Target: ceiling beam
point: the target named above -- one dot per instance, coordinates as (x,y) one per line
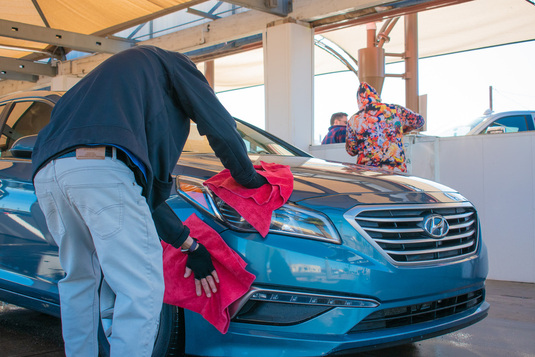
(19,76)
(8,65)
(40,12)
(275,7)
(378,14)
(249,23)
(73,40)
(206,15)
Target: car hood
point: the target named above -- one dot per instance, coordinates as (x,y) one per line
(315,178)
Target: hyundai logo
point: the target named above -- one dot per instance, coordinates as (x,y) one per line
(436,226)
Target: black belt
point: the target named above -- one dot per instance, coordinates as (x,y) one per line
(120,155)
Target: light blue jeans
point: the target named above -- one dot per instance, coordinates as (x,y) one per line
(103,227)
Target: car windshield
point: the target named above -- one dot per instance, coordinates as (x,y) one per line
(462,129)
(255,142)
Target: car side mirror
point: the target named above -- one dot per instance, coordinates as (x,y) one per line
(495,130)
(23,147)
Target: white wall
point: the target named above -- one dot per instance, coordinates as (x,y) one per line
(497,174)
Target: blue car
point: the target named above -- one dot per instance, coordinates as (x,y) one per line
(358,259)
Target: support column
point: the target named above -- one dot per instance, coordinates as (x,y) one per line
(289,81)
(411,62)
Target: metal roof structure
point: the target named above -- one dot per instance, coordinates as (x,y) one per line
(35,33)
(443,30)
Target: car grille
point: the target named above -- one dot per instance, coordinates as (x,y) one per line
(413,314)
(400,234)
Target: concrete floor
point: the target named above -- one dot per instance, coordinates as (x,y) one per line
(509,330)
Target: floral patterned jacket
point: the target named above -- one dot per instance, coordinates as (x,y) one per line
(375,132)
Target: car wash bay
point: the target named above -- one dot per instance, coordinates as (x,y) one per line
(507,331)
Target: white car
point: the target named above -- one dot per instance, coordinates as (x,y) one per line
(495,123)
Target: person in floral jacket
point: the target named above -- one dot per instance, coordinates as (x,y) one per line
(375,132)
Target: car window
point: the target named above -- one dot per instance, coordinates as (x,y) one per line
(510,124)
(255,142)
(25,118)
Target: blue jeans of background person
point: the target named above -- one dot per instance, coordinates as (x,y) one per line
(103,227)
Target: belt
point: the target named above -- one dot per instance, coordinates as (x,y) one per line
(96,153)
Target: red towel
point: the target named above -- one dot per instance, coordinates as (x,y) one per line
(234,280)
(255,205)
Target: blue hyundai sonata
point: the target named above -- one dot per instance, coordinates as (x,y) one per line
(357,259)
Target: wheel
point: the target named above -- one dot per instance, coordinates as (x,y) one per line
(170,340)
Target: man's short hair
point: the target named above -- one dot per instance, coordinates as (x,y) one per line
(338,115)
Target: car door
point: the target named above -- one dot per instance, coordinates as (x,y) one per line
(510,124)
(29,261)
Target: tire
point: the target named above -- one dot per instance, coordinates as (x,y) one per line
(170,340)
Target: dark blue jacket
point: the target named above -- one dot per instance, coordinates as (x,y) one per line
(142,99)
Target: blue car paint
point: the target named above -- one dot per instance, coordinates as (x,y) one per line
(358,274)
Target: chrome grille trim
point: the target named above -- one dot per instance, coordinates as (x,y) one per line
(436,250)
(397,231)
(461,225)
(393,220)
(413,241)
(456,216)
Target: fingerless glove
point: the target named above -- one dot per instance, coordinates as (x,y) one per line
(200,262)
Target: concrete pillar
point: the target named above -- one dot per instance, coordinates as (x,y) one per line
(289,81)
(63,82)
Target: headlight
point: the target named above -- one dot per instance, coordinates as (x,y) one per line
(288,220)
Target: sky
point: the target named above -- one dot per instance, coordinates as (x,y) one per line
(456,85)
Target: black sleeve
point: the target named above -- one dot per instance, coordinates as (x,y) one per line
(169,227)
(257,181)
(200,103)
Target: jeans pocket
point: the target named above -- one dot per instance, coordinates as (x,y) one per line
(101,207)
(48,205)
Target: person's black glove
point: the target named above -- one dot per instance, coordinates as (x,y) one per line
(200,262)
(257,181)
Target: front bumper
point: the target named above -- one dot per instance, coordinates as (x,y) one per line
(321,336)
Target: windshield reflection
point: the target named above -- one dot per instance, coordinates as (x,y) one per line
(255,142)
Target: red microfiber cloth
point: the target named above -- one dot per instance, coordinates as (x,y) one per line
(255,205)
(234,280)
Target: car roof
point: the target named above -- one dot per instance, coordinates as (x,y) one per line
(51,95)
(511,112)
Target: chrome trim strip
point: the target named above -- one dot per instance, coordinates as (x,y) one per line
(430,240)
(457,216)
(393,219)
(461,225)
(427,251)
(411,230)
(395,230)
